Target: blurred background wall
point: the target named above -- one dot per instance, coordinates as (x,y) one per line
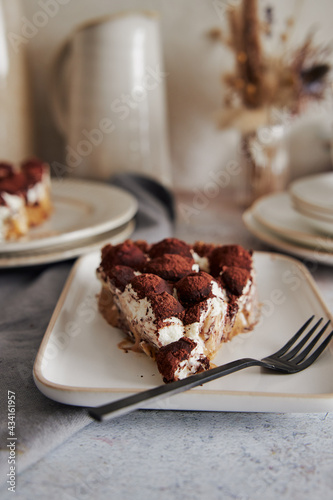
(194,91)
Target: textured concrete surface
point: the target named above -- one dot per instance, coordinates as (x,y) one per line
(188,456)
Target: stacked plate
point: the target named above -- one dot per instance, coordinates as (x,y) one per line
(86,216)
(313,198)
(299,221)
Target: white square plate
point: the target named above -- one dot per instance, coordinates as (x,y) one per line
(79,361)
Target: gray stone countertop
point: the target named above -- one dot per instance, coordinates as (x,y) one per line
(192,455)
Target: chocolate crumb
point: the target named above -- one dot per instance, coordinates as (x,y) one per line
(6,170)
(203,249)
(169,356)
(231,256)
(165,306)
(125,254)
(193,313)
(170,246)
(234,279)
(170,267)
(120,276)
(146,285)
(194,288)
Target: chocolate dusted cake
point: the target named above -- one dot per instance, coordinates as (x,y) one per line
(25,199)
(177,302)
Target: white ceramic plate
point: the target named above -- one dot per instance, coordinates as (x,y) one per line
(79,361)
(274,240)
(81,209)
(302,208)
(78,247)
(319,223)
(277,214)
(315,192)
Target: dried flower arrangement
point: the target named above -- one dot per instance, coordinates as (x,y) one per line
(260,81)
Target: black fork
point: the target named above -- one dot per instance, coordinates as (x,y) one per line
(293,357)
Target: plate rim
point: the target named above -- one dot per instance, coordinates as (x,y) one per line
(49,255)
(41,381)
(274,240)
(297,182)
(92,230)
(310,239)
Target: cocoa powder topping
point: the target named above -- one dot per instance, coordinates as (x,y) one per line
(170,267)
(125,254)
(6,170)
(165,306)
(170,246)
(234,279)
(143,245)
(231,256)
(193,313)
(147,285)
(194,288)
(169,356)
(203,249)
(120,276)
(16,184)
(34,170)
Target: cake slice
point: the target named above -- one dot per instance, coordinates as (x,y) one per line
(38,191)
(176,302)
(25,199)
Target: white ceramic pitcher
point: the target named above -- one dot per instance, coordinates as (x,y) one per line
(108,88)
(16,123)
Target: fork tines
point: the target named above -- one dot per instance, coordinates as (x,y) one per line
(297,354)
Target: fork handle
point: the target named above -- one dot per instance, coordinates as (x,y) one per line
(134,402)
